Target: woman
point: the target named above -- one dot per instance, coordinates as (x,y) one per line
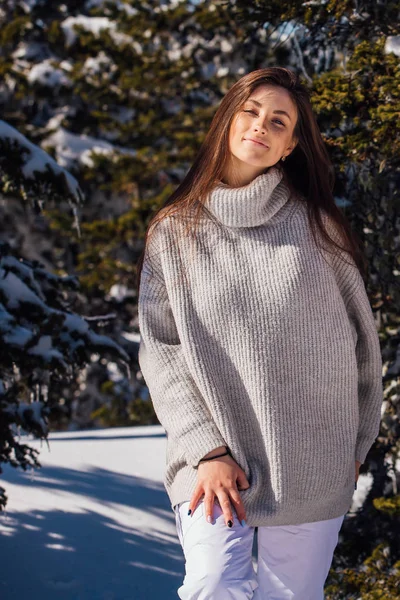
(259,348)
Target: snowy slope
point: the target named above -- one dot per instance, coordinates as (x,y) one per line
(95,522)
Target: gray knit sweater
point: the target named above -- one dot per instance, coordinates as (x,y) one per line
(253,338)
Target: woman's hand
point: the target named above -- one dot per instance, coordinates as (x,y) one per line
(223,478)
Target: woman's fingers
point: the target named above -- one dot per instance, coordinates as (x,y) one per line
(241,481)
(227,500)
(197,494)
(238,505)
(226,507)
(208,501)
(221,478)
(208,506)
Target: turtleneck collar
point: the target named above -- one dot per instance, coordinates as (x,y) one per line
(250,205)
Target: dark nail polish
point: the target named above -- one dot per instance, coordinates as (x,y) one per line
(189,512)
(230,523)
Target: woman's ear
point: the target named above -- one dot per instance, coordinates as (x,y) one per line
(292,146)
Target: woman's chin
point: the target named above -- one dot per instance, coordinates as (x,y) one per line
(254,164)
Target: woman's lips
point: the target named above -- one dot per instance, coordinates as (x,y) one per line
(255,142)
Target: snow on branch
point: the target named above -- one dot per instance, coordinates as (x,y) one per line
(35,328)
(28,172)
(42,346)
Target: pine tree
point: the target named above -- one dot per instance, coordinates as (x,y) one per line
(121,94)
(43,343)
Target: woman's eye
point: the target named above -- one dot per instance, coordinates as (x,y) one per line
(275,120)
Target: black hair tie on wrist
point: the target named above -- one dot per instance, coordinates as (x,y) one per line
(227,453)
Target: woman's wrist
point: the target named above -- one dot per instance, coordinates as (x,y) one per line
(216,451)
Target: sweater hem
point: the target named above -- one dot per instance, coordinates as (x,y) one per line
(258,516)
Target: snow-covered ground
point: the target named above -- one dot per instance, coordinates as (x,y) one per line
(95,522)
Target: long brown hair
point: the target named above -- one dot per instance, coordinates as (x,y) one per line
(307,170)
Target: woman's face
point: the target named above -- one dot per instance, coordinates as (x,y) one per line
(268,117)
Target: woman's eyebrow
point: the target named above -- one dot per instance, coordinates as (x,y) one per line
(277,112)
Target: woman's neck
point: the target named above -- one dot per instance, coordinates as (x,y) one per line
(238,174)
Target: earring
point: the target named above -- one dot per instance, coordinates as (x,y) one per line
(283,158)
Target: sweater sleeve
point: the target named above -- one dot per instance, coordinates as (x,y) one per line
(177,401)
(369,361)
(368,353)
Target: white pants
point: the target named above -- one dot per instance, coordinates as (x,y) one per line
(293,560)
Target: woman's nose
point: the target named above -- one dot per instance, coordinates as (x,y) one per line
(260,126)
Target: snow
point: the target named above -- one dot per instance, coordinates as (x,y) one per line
(44,348)
(72,148)
(35,410)
(28,5)
(46,73)
(120,292)
(364,484)
(392,44)
(226,46)
(94,523)
(97,64)
(21,293)
(222,71)
(121,38)
(131,336)
(171,5)
(394,368)
(122,6)
(76,323)
(17,292)
(11,332)
(30,51)
(38,160)
(55,121)
(114,372)
(10,263)
(67,65)
(18,337)
(123,114)
(342,202)
(93,24)
(174,54)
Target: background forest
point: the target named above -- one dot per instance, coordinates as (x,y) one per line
(104,105)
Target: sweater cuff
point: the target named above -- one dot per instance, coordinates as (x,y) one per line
(201,443)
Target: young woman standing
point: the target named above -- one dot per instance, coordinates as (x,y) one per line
(259,348)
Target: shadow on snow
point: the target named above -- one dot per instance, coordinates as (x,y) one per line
(81,556)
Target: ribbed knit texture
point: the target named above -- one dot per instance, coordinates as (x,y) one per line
(250,339)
